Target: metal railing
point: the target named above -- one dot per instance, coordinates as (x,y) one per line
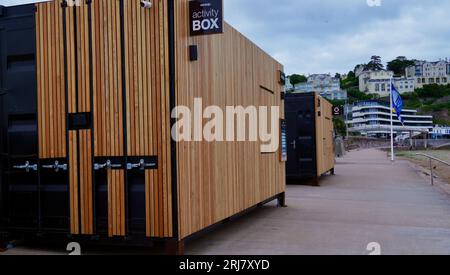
(431,158)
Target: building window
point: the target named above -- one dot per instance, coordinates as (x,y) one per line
(444,80)
(383,87)
(423,81)
(419,80)
(438,80)
(431,80)
(377,87)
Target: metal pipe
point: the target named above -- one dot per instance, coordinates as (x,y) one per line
(431,171)
(431,158)
(392,122)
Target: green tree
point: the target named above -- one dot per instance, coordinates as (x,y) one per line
(399,65)
(350,82)
(296,79)
(375,63)
(339,126)
(337,103)
(351,74)
(354,95)
(433,91)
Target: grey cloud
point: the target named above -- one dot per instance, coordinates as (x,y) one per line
(311,36)
(319,36)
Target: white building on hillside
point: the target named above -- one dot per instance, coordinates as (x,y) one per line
(324,84)
(426,73)
(372,118)
(377,82)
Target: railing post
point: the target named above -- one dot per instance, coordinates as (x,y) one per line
(431,172)
(431,164)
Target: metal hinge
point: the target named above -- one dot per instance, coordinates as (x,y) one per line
(27,167)
(108,166)
(56,166)
(141,165)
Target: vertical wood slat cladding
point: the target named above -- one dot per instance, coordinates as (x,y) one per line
(79,101)
(86,187)
(50,81)
(217,180)
(73,183)
(107,80)
(147,101)
(71,62)
(324,135)
(82,48)
(116,203)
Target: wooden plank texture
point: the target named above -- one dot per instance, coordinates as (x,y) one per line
(148,109)
(107,74)
(219,179)
(116,203)
(50,81)
(73,183)
(324,135)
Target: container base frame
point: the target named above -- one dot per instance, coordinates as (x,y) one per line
(4,242)
(310,180)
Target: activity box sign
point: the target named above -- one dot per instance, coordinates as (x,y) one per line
(205,17)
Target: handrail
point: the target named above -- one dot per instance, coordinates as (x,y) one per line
(431,158)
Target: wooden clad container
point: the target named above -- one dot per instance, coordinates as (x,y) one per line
(108,76)
(310,137)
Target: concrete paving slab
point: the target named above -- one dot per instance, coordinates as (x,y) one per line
(369,200)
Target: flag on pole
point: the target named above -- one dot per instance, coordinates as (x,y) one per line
(397,103)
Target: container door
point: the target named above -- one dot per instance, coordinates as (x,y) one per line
(2,138)
(20,179)
(105,114)
(300,115)
(51,110)
(35,198)
(147,119)
(293,164)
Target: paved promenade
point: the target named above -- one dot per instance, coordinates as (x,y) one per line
(369,200)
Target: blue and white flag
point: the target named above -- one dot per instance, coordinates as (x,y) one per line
(397,103)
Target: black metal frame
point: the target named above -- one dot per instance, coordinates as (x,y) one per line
(124,111)
(37,144)
(91,94)
(66,87)
(27,112)
(173,103)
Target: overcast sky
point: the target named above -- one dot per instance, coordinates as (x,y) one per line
(328,36)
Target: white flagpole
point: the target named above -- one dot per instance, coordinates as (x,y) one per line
(392,123)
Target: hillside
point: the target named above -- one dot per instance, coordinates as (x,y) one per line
(431,100)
